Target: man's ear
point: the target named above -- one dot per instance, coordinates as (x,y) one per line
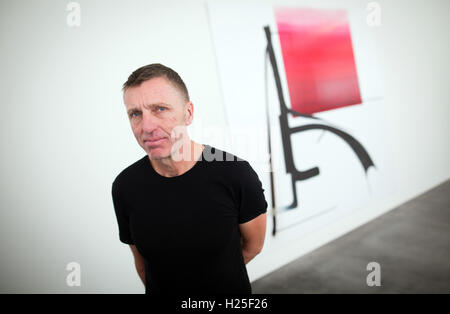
(189,113)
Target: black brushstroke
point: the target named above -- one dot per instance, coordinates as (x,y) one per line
(286,132)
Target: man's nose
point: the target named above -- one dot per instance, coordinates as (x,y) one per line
(149,122)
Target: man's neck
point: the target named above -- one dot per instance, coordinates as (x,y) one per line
(168,167)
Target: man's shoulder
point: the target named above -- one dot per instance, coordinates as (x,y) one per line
(130,171)
(225,161)
(214,154)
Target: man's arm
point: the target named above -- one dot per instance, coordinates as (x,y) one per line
(139,262)
(253,233)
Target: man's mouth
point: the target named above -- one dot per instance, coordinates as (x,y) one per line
(154,141)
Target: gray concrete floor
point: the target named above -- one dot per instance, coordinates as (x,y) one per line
(411,243)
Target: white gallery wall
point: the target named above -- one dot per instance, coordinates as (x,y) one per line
(65,135)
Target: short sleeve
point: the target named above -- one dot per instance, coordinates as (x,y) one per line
(121,215)
(252,202)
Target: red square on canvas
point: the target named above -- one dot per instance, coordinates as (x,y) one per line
(318,59)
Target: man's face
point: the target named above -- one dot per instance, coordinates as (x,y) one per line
(154,109)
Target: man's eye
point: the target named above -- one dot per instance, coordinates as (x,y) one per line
(133,114)
(164,108)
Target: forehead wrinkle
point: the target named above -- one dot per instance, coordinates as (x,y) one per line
(147,106)
(165,93)
(155,104)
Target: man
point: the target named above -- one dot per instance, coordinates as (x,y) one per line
(192,214)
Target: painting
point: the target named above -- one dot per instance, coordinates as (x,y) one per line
(305,86)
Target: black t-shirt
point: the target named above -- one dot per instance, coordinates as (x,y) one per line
(187,227)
